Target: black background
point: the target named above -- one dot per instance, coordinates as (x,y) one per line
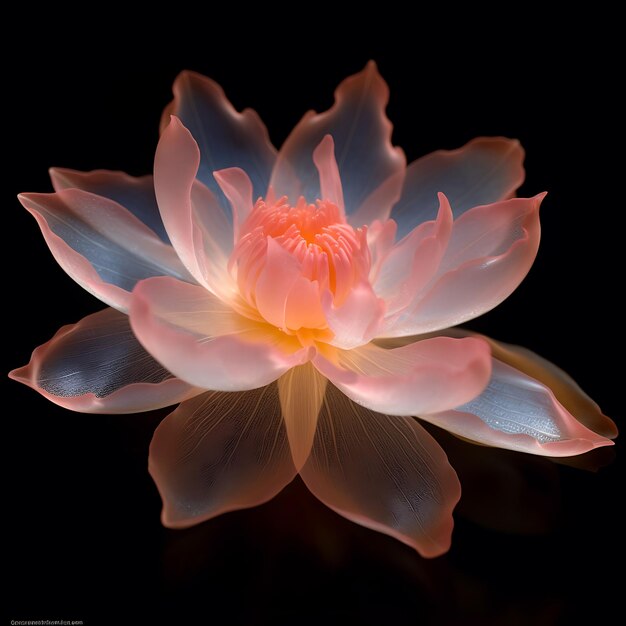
(534,540)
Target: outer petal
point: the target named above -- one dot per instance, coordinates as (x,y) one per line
(485,170)
(134,193)
(491,249)
(97,366)
(385,473)
(571,397)
(566,391)
(199,228)
(301,392)
(220,452)
(419,378)
(100,244)
(362,136)
(204,342)
(226,138)
(518,412)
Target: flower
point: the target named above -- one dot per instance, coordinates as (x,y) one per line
(300,304)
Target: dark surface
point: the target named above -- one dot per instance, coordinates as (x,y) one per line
(534,540)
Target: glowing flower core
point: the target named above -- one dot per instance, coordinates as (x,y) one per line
(315,251)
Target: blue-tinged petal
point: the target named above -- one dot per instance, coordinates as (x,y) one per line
(485,170)
(365,156)
(100,244)
(134,193)
(518,412)
(97,366)
(226,138)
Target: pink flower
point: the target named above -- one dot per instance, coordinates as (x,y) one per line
(312,291)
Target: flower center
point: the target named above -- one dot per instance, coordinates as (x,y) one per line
(318,253)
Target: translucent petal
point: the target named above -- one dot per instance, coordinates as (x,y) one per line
(330,181)
(219,452)
(205,342)
(362,136)
(410,265)
(237,188)
(301,392)
(518,412)
(490,251)
(357,320)
(134,193)
(283,296)
(422,377)
(385,473)
(564,388)
(97,366)
(100,244)
(485,170)
(196,223)
(566,391)
(226,138)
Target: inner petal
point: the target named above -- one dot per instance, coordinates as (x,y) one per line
(289,256)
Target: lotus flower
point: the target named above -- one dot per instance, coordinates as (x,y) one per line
(298,304)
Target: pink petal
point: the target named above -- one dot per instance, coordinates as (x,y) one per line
(196,223)
(330,182)
(226,138)
(303,309)
(380,241)
(100,244)
(301,392)
(485,170)
(416,379)
(220,452)
(385,473)
(97,366)
(518,412)
(490,251)
(237,188)
(362,136)
(571,397)
(134,193)
(357,320)
(277,279)
(411,263)
(283,296)
(203,341)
